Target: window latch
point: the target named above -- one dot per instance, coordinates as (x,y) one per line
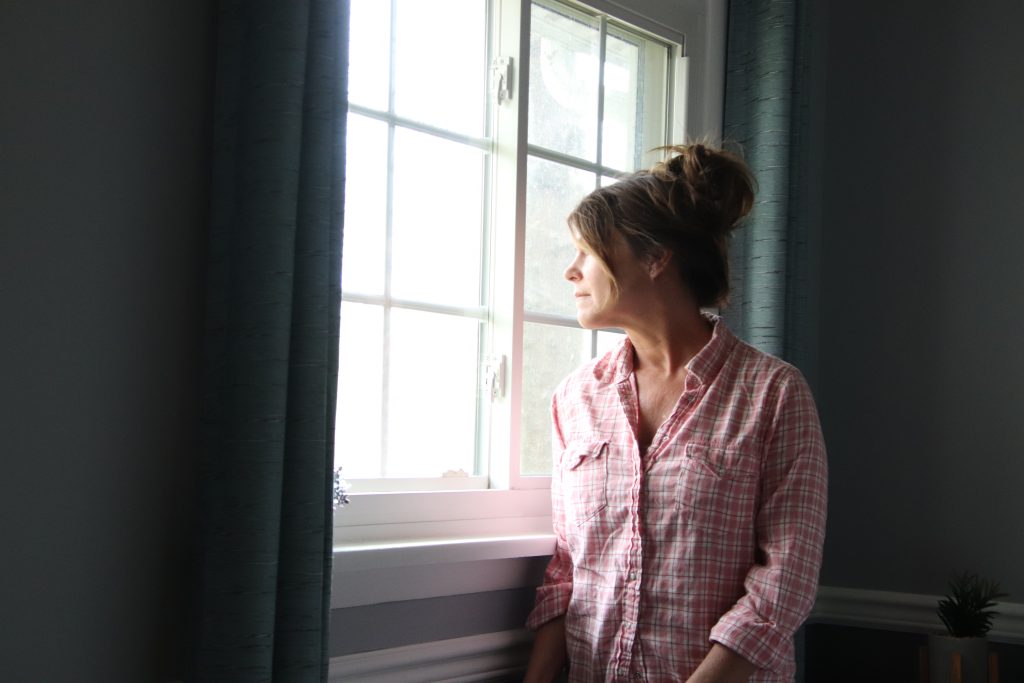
(493,379)
(501,79)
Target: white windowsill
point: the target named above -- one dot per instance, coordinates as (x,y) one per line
(363,556)
(372,574)
(396,547)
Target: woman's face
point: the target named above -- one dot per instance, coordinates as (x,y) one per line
(597,303)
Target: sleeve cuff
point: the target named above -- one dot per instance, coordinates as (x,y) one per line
(552,602)
(761,643)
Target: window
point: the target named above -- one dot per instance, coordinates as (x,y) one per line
(474,127)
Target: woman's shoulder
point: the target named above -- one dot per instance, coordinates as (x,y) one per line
(753,367)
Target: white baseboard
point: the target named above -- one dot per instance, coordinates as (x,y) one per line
(491,657)
(502,656)
(890,611)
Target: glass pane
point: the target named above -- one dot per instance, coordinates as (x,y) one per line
(550,353)
(635,101)
(366,182)
(360,371)
(432,393)
(369,44)
(621,69)
(552,191)
(564,71)
(437,220)
(441,77)
(606,341)
(652,88)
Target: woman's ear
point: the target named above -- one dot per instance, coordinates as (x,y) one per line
(658,262)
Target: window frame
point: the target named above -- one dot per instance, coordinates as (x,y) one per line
(512,518)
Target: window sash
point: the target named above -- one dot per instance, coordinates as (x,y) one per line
(506,206)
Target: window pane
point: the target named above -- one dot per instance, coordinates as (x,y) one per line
(360,373)
(433,394)
(441,75)
(437,220)
(652,89)
(564,71)
(606,341)
(366,178)
(369,45)
(550,353)
(552,191)
(622,65)
(635,99)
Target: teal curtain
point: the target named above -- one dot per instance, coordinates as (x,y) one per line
(263,574)
(766,114)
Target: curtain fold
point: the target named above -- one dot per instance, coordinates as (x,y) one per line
(766,114)
(262,595)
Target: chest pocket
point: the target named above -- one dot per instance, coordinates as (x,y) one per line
(585,481)
(717,488)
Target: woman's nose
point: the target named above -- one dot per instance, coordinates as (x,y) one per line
(572,273)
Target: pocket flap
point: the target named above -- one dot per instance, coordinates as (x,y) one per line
(720,460)
(578,454)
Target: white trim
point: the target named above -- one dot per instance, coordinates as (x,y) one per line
(450,482)
(486,657)
(890,611)
(712,98)
(377,575)
(437,516)
(420,553)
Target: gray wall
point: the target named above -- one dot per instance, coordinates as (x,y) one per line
(921,376)
(104,112)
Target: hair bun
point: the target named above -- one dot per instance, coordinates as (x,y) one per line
(713,186)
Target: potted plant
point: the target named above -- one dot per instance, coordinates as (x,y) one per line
(967,612)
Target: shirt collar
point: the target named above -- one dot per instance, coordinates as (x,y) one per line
(702,367)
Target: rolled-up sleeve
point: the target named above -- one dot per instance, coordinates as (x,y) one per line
(553,595)
(780,588)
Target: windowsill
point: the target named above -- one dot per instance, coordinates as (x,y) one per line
(372,574)
(363,556)
(391,548)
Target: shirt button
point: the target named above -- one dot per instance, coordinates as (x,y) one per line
(632,576)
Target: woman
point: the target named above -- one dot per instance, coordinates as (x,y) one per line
(689,482)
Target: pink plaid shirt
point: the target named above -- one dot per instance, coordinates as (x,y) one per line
(715,534)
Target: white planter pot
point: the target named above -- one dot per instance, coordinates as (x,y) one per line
(973,657)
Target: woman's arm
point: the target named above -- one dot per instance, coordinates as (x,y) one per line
(548,658)
(722,665)
(780,587)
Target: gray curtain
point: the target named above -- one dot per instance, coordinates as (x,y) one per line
(766,113)
(263,574)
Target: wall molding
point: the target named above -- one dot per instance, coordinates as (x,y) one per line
(494,657)
(913,612)
(502,656)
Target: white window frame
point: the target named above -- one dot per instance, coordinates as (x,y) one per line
(395,529)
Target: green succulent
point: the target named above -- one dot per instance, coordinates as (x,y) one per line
(966,609)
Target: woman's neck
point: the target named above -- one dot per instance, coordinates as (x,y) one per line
(664,344)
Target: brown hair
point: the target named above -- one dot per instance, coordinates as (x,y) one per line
(689,204)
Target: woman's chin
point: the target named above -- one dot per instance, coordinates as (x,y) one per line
(589,322)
